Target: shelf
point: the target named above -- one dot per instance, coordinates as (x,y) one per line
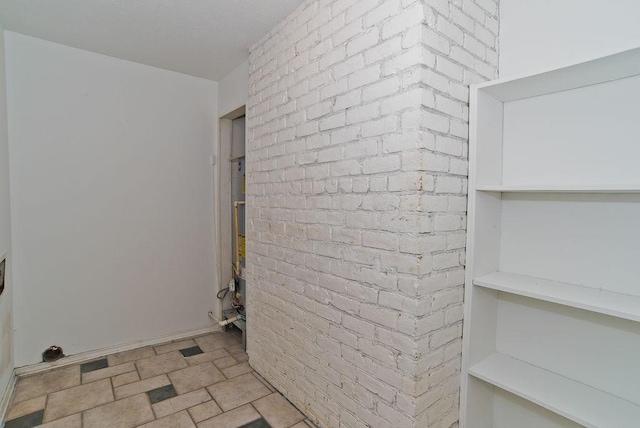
(597,188)
(590,299)
(592,72)
(546,201)
(573,400)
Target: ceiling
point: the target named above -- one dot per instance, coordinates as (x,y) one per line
(204,38)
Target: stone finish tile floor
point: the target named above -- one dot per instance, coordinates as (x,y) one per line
(205,381)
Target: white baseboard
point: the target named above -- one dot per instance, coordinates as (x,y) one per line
(7,396)
(92,355)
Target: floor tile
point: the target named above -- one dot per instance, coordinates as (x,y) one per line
(181,402)
(204,411)
(73,421)
(207,356)
(160,394)
(92,376)
(235,333)
(238,391)
(173,383)
(223,363)
(132,355)
(125,379)
(174,346)
(26,407)
(241,357)
(260,423)
(216,341)
(159,364)
(141,386)
(237,370)
(196,377)
(93,365)
(233,419)
(130,412)
(267,384)
(190,352)
(177,420)
(77,399)
(26,421)
(278,411)
(235,349)
(46,383)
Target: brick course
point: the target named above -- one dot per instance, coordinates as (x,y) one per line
(356,196)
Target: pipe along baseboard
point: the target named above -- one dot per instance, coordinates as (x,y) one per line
(224,322)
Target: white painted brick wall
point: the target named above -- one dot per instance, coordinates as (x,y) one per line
(356,198)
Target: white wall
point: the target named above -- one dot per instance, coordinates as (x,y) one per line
(6,340)
(233,89)
(544,34)
(112,196)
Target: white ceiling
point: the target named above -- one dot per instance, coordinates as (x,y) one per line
(204,38)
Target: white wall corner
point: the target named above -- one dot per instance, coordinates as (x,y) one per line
(233,89)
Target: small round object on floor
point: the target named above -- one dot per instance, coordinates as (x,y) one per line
(52,353)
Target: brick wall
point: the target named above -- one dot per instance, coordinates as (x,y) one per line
(356,194)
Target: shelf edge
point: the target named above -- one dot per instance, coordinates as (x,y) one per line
(559,189)
(486,281)
(497,362)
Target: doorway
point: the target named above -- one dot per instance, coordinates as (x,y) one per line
(231,218)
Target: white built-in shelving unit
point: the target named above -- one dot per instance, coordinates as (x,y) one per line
(552,298)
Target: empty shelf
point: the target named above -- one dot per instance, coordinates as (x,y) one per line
(590,299)
(544,188)
(580,403)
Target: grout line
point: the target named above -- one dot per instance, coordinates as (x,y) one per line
(217,404)
(209,394)
(264,381)
(155,417)
(135,364)
(258,411)
(46,403)
(296,423)
(113,390)
(189,413)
